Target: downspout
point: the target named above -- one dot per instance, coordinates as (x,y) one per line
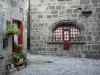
(28,26)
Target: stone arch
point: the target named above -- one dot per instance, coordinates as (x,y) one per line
(70,21)
(75,23)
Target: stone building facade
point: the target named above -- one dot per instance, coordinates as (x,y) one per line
(11,10)
(46,15)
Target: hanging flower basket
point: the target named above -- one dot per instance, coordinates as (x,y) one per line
(12,30)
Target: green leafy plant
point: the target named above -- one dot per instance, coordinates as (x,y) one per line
(11,29)
(17,57)
(71,38)
(54,37)
(15,45)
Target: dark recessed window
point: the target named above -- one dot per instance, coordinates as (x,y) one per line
(62,33)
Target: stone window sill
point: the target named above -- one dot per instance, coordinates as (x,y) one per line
(61,42)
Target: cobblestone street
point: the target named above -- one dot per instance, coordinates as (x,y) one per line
(53,65)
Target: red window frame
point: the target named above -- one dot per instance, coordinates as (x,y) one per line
(72,32)
(20,37)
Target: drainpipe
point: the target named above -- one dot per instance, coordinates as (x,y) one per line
(28,26)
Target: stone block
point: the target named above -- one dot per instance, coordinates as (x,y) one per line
(97,10)
(86,47)
(39,5)
(95,47)
(32,38)
(98,15)
(76,47)
(49,16)
(36,45)
(97,38)
(40,16)
(84,1)
(89,38)
(88,56)
(37,38)
(95,34)
(98,52)
(81,47)
(69,10)
(55,49)
(75,11)
(98,29)
(55,16)
(96,56)
(96,20)
(41,24)
(89,47)
(73,15)
(94,1)
(73,6)
(67,15)
(98,33)
(42,1)
(95,5)
(61,12)
(92,52)
(51,7)
(58,7)
(63,7)
(35,9)
(54,12)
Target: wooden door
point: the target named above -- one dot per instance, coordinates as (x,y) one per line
(66,36)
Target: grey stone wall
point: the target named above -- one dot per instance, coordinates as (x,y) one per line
(11,11)
(45,13)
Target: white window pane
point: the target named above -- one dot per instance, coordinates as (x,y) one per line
(67,32)
(71,35)
(73,29)
(64,27)
(73,32)
(59,31)
(74,35)
(67,35)
(67,38)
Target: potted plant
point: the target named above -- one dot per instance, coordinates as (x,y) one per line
(17,58)
(59,38)
(11,29)
(79,38)
(71,38)
(54,38)
(20,46)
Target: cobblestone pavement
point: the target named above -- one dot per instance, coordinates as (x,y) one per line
(53,65)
